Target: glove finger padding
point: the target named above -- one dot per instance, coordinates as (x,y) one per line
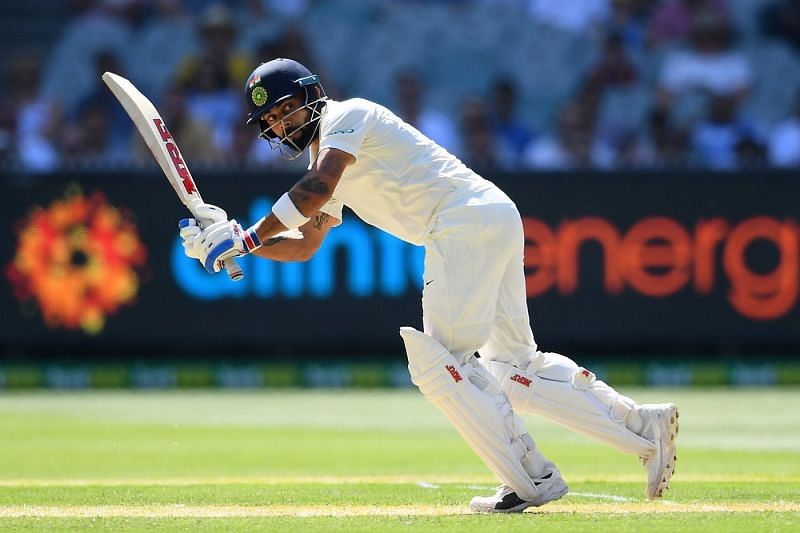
(208,214)
(189,229)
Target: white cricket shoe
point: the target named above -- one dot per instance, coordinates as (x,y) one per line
(661,428)
(551,487)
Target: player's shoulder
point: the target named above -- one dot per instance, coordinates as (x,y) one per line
(351,115)
(352,105)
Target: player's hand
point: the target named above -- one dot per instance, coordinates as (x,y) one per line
(189,228)
(223,240)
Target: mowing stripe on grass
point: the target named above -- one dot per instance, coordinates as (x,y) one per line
(611,497)
(231,511)
(352,480)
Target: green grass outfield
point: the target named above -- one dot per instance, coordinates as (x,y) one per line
(370,461)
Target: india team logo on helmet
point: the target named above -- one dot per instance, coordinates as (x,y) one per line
(259,96)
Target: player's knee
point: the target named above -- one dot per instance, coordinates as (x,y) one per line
(433,369)
(553,366)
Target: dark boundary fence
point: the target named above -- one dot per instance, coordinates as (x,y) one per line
(618,265)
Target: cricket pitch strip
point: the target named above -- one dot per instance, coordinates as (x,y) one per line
(234,511)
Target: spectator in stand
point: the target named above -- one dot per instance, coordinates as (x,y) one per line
(267,50)
(710,65)
(87,141)
(674,21)
(659,146)
(8,132)
(292,43)
(781,19)
(629,20)
(480,148)
(212,100)
(751,153)
(613,71)
(571,145)
(242,147)
(578,16)
(512,134)
(36,119)
(218,37)
(433,124)
(120,126)
(717,139)
(288,9)
(161,45)
(193,135)
(784,141)
(103,25)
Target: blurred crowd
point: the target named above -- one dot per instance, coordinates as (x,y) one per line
(506,85)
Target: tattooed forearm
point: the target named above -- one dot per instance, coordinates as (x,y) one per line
(331,166)
(320,220)
(273,241)
(314,185)
(298,197)
(318,184)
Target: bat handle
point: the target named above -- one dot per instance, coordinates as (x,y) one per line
(233,269)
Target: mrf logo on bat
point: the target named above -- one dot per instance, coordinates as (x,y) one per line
(175,155)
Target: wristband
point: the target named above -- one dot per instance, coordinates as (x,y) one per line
(246,240)
(251,239)
(285,210)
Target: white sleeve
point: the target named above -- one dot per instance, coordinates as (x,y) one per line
(345,127)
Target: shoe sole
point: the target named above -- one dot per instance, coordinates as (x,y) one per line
(669,470)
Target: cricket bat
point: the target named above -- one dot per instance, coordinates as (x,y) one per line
(160,142)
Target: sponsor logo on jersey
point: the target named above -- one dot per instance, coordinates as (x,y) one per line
(341,132)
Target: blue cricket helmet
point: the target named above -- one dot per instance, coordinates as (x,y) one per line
(275,81)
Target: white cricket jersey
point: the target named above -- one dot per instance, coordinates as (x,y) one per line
(400,179)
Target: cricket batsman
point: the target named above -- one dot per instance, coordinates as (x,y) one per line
(394,178)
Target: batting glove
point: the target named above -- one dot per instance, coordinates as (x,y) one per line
(223,240)
(189,230)
(207,214)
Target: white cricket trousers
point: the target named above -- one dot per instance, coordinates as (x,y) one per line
(474,300)
(474,295)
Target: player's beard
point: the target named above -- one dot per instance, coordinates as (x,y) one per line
(307,134)
(293,148)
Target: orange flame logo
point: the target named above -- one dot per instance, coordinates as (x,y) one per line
(77,260)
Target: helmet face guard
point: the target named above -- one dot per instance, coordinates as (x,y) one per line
(290,148)
(271,84)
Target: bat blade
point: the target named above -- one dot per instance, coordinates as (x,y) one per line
(151,127)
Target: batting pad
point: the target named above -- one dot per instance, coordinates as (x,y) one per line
(446,383)
(555,387)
